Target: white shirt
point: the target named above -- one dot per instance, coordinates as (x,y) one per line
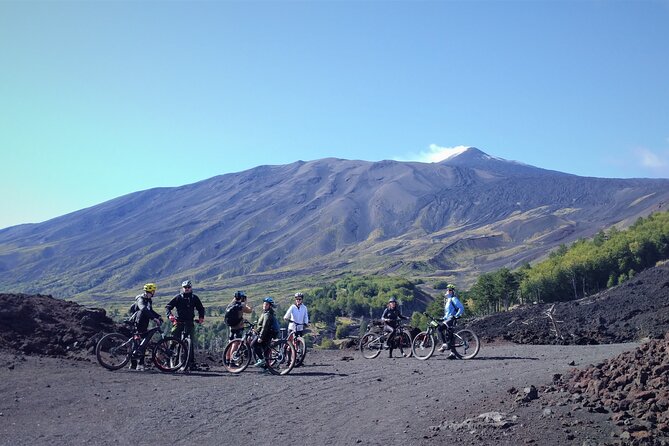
(299,315)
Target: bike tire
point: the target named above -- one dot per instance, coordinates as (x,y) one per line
(404,343)
(113,351)
(300,351)
(237,356)
(280,357)
(423,345)
(466,344)
(370,346)
(170,354)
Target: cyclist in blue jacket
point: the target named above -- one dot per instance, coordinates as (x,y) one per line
(453,309)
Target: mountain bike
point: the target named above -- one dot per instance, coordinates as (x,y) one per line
(465,345)
(113,351)
(189,346)
(280,355)
(298,343)
(372,343)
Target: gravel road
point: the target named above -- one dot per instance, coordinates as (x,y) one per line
(337,398)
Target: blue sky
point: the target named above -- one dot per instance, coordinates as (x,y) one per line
(103,98)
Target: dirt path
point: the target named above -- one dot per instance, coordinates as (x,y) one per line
(331,400)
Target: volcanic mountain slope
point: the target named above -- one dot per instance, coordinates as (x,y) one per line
(469,214)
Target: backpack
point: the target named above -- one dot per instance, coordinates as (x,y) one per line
(133,313)
(233,314)
(275,326)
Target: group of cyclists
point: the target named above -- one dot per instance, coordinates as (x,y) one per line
(453,310)
(186,303)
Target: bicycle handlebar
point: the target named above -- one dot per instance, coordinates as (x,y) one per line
(298,323)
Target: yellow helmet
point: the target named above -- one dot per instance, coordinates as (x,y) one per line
(150,288)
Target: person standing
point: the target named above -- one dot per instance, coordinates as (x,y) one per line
(143,314)
(391,317)
(297,315)
(266,327)
(234,315)
(453,309)
(186,303)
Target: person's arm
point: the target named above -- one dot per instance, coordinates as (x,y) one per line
(460,308)
(384,315)
(306,316)
(169,307)
(247,309)
(289,314)
(264,325)
(200,308)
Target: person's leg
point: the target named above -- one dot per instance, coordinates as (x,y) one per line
(450,325)
(259,350)
(389,332)
(189,330)
(440,329)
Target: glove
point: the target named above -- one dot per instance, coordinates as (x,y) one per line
(172,319)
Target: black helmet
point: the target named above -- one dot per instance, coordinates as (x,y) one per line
(186,284)
(240,295)
(392,299)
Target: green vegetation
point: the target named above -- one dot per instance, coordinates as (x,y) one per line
(357,296)
(586,267)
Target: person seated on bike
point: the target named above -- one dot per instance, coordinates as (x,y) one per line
(143,314)
(266,330)
(297,315)
(185,303)
(453,309)
(236,310)
(390,317)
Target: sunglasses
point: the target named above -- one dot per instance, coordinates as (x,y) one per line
(188,287)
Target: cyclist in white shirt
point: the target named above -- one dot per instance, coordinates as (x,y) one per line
(297,315)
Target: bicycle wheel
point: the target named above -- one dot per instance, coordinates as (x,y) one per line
(371,345)
(300,351)
(113,351)
(404,343)
(170,354)
(466,344)
(423,345)
(280,357)
(236,356)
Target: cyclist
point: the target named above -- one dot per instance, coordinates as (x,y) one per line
(390,317)
(266,330)
(298,315)
(453,309)
(143,314)
(236,310)
(185,303)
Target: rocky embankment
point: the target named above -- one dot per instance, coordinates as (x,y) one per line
(633,387)
(38,324)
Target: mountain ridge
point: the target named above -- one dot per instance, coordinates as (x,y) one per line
(457,218)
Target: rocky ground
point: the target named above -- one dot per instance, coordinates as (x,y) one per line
(594,392)
(338,397)
(636,309)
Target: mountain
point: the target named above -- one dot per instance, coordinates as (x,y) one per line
(295,223)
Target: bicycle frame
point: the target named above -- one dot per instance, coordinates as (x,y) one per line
(187,339)
(372,343)
(464,343)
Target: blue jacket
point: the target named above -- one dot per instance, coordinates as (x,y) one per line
(453,308)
